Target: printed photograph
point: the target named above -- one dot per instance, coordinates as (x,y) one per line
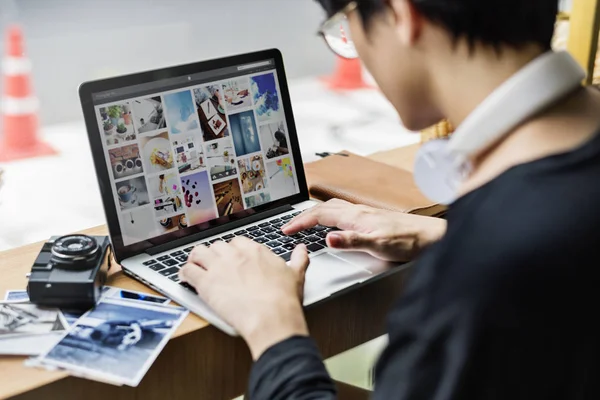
(16,295)
(266,98)
(165,194)
(198,198)
(211,112)
(26,319)
(117,340)
(237,94)
(172,224)
(257,199)
(132,193)
(138,225)
(156,152)
(252,173)
(244,133)
(220,159)
(282,182)
(274,140)
(148,114)
(189,154)
(181,113)
(125,161)
(228,197)
(117,123)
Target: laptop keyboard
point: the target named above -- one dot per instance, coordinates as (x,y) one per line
(266,233)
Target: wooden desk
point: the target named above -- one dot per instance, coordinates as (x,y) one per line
(200,362)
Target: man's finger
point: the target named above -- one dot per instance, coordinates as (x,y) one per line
(349,240)
(192,274)
(222,249)
(299,261)
(328,214)
(203,256)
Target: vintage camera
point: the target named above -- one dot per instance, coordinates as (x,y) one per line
(70,271)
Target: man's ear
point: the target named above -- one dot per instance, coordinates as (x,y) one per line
(408,21)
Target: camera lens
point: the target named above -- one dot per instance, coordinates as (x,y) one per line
(73,248)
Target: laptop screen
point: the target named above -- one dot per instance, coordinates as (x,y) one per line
(185,151)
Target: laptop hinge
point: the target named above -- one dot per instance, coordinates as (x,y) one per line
(220,229)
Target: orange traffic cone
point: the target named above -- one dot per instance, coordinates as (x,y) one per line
(19,107)
(348,76)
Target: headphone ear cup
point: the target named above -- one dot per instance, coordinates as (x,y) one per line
(437,172)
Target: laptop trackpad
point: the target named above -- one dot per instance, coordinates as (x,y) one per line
(328,274)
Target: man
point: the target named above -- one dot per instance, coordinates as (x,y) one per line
(502,297)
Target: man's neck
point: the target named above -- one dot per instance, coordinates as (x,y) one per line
(464,78)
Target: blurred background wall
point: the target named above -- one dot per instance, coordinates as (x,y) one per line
(70,41)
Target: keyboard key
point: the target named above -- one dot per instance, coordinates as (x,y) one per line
(174,277)
(314,247)
(285,239)
(252,228)
(150,262)
(272,236)
(277,226)
(320,228)
(289,246)
(169,271)
(322,243)
(170,262)
(182,258)
(247,236)
(261,240)
(188,287)
(188,249)
(215,240)
(286,256)
(240,233)
(257,233)
(313,238)
(268,230)
(264,224)
(273,244)
(274,221)
(163,258)
(322,235)
(310,231)
(157,267)
(228,237)
(287,217)
(301,241)
(177,253)
(297,213)
(279,251)
(298,235)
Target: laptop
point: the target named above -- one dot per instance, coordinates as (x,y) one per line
(193,154)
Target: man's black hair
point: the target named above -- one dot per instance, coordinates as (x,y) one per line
(492,22)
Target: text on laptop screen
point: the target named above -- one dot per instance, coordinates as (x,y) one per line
(185,156)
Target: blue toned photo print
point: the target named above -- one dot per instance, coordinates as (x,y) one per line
(245,133)
(181,113)
(266,97)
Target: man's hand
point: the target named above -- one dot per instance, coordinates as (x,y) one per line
(387,235)
(252,289)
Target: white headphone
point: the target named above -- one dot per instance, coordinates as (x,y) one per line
(442,165)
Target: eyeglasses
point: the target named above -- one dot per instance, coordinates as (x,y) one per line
(336,32)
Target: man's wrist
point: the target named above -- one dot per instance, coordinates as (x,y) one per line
(274,327)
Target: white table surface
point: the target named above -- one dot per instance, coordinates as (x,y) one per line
(56,195)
